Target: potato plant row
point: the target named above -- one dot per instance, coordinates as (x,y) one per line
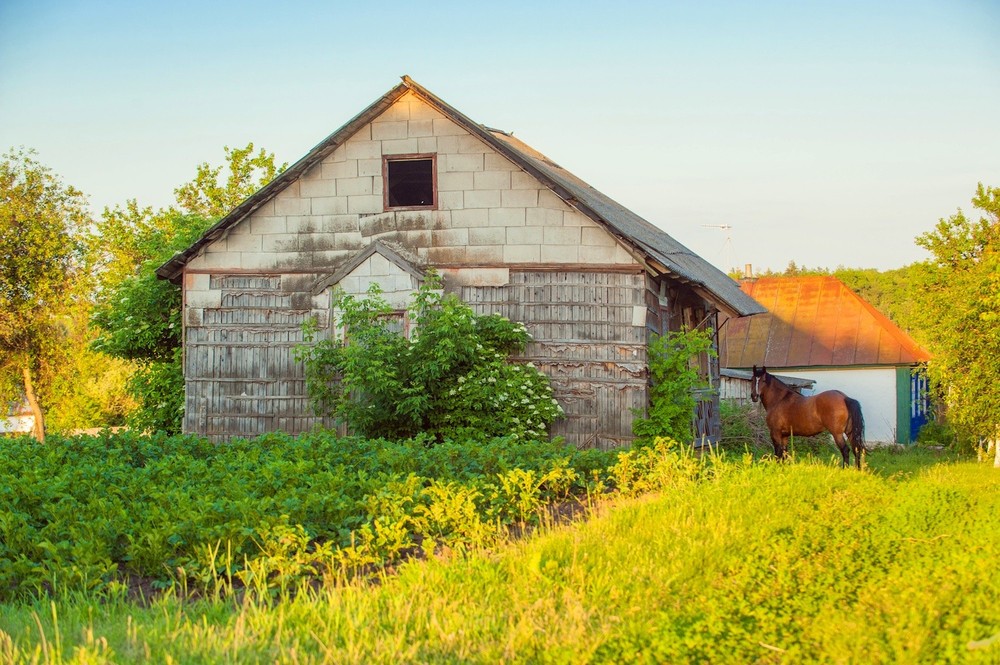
(125,512)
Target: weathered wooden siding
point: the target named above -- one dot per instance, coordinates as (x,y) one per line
(589,332)
(241,378)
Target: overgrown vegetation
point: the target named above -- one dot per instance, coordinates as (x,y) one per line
(674,372)
(737,562)
(450,378)
(100,513)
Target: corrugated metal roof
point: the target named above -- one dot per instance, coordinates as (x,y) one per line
(647,239)
(811,322)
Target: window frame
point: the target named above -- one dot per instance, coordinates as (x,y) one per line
(410,157)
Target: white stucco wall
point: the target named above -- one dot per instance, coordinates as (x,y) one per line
(875,388)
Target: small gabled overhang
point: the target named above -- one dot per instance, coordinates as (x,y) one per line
(394,256)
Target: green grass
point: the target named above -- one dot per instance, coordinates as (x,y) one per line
(755,562)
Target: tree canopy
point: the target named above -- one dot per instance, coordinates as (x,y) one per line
(40,222)
(247,172)
(959,307)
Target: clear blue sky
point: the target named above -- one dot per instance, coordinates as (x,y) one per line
(826,133)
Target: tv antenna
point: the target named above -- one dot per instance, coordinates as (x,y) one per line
(727,247)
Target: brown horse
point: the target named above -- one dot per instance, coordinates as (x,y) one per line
(791,414)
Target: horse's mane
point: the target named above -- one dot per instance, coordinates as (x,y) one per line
(779,381)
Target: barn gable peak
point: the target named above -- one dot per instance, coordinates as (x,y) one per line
(645,243)
(394,255)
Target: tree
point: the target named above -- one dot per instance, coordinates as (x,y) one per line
(40,221)
(139,315)
(959,305)
(248,172)
(81,387)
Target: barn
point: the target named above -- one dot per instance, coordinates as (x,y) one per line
(816,328)
(411,184)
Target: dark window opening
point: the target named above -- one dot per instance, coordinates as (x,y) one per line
(409,183)
(396,322)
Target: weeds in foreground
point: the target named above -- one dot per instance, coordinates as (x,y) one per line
(100,514)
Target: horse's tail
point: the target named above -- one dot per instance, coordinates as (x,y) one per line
(856,424)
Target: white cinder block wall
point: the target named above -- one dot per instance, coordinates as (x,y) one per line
(489,211)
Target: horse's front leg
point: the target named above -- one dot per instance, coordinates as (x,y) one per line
(780,446)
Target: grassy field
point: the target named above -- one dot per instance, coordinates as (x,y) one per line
(752,562)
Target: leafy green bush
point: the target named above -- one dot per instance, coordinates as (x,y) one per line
(674,376)
(662,464)
(450,379)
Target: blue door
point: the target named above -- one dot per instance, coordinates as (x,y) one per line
(919,402)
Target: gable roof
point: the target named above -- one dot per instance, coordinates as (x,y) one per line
(662,252)
(813,321)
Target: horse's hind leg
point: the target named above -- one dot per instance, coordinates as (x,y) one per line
(845,450)
(857,454)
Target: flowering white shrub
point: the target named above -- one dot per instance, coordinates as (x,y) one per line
(452,378)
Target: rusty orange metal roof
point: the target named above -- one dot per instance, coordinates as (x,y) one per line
(813,321)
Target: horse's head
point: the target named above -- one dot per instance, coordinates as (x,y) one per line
(759,375)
